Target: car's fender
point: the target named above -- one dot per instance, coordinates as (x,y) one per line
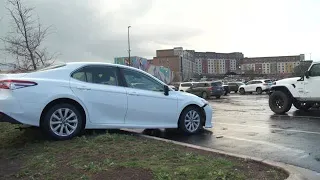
(66,96)
(288,88)
(242,86)
(187,99)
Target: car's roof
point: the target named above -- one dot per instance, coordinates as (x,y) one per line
(83,63)
(95,63)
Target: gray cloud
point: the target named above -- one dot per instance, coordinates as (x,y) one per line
(80,33)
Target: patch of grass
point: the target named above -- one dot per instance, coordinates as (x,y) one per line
(27,155)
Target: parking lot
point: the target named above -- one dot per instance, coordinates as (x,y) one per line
(244,124)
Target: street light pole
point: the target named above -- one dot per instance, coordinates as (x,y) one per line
(129,44)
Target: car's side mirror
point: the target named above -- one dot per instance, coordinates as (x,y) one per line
(166,90)
(307,74)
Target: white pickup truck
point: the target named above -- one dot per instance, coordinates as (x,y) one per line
(301,92)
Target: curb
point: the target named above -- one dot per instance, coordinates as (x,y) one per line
(293,174)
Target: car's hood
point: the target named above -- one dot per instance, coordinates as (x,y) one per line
(189,97)
(288,80)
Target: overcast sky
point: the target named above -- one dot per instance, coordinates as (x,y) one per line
(96,30)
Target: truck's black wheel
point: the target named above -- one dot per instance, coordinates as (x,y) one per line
(279,102)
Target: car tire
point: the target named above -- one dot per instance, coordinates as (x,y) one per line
(242,91)
(259,90)
(301,105)
(218,97)
(191,121)
(280,102)
(225,93)
(204,95)
(62,121)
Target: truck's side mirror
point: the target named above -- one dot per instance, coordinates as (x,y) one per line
(307,74)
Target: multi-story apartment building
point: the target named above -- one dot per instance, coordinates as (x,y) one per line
(271,65)
(217,63)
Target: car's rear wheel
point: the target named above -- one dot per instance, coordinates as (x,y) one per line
(218,97)
(259,90)
(191,120)
(62,121)
(242,91)
(302,105)
(279,102)
(204,95)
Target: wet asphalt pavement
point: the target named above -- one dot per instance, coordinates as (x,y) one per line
(244,124)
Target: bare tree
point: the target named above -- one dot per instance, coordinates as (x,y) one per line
(24,41)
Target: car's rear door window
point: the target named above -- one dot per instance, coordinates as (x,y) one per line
(186,84)
(106,75)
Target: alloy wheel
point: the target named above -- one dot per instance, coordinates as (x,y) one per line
(192,121)
(63,122)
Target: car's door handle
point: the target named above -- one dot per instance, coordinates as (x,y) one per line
(83,88)
(133,93)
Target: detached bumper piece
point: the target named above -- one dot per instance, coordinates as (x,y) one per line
(6,118)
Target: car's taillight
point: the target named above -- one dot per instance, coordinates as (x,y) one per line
(15,84)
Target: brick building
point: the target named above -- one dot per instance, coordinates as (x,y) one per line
(271,65)
(181,62)
(217,63)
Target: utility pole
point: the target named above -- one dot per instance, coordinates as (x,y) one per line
(310,56)
(129,44)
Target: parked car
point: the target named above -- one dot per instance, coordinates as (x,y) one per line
(64,100)
(301,92)
(258,86)
(217,89)
(234,86)
(202,89)
(172,87)
(184,86)
(226,88)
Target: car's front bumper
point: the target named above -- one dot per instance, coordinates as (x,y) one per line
(208,112)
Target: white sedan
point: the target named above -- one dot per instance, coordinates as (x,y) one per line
(65,99)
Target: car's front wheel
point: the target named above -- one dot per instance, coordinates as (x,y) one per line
(280,102)
(62,121)
(242,91)
(191,120)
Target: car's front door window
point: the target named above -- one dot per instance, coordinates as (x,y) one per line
(315,70)
(138,80)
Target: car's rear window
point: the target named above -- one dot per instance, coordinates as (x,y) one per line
(186,85)
(216,84)
(268,81)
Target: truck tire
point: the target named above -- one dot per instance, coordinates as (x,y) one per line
(280,102)
(302,105)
